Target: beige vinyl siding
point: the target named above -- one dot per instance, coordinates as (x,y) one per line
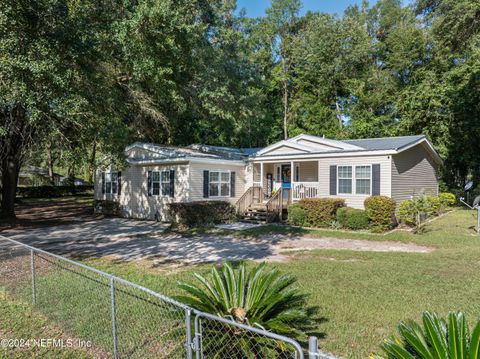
(354,200)
(134,199)
(413,172)
(196,180)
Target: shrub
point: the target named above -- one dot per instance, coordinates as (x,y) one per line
(407,212)
(439,338)
(431,205)
(108,208)
(321,212)
(54,191)
(200,213)
(381,212)
(446,200)
(261,297)
(352,218)
(297,215)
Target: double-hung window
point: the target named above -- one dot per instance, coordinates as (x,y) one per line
(219,184)
(161,183)
(344,179)
(363,179)
(111,179)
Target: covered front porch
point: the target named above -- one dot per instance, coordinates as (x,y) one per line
(297,179)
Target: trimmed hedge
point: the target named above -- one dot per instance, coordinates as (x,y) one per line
(297,216)
(321,212)
(200,213)
(381,212)
(352,218)
(54,191)
(106,207)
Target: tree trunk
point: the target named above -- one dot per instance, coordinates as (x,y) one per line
(285,100)
(50,164)
(10,170)
(91,178)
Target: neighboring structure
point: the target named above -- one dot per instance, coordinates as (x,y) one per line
(33,176)
(270,178)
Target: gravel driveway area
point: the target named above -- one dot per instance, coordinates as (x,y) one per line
(126,239)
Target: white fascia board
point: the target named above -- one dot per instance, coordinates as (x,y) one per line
(313,156)
(185,160)
(326,142)
(285,143)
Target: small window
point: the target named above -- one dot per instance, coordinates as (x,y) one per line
(297,173)
(111,182)
(219,184)
(279,176)
(161,183)
(165,177)
(362,179)
(344,179)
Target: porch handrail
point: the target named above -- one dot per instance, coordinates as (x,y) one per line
(253,194)
(276,202)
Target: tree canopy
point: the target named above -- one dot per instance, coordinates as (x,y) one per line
(82,79)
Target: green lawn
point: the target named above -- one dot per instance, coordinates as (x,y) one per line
(361,295)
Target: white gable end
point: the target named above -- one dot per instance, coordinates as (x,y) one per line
(284,150)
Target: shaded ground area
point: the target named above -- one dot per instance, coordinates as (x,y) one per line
(49,212)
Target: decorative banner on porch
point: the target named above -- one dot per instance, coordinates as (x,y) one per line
(269,184)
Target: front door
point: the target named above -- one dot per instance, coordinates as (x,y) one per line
(286,176)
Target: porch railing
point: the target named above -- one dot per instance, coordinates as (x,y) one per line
(252,195)
(301,190)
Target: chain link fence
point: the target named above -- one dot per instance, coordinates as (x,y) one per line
(125,320)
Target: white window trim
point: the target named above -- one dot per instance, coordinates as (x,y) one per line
(371,180)
(354,180)
(111,193)
(160,183)
(220,182)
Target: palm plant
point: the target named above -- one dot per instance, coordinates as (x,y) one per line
(440,339)
(262,297)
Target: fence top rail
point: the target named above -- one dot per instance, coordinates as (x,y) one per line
(104,274)
(250,329)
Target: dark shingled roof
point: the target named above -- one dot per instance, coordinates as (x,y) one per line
(385,143)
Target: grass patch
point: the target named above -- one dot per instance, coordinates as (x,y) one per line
(362,296)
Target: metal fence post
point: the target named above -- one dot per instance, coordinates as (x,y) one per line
(312,348)
(34,284)
(114,324)
(188,327)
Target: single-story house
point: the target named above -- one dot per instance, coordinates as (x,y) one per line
(304,166)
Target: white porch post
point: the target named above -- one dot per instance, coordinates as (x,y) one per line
(261,175)
(292,179)
(318,178)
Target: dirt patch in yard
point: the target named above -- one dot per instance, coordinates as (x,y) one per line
(309,243)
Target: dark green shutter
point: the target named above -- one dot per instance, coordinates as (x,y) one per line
(333,180)
(103,183)
(206,183)
(232,184)
(119,183)
(376,180)
(149,182)
(172,183)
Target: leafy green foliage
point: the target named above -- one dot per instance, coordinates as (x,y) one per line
(437,339)
(446,200)
(200,213)
(321,212)
(381,212)
(352,218)
(414,211)
(297,215)
(260,297)
(407,212)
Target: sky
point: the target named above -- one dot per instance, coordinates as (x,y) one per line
(256,8)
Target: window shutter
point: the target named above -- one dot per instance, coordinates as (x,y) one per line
(119,183)
(149,182)
(172,183)
(232,184)
(333,180)
(103,183)
(376,180)
(206,184)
